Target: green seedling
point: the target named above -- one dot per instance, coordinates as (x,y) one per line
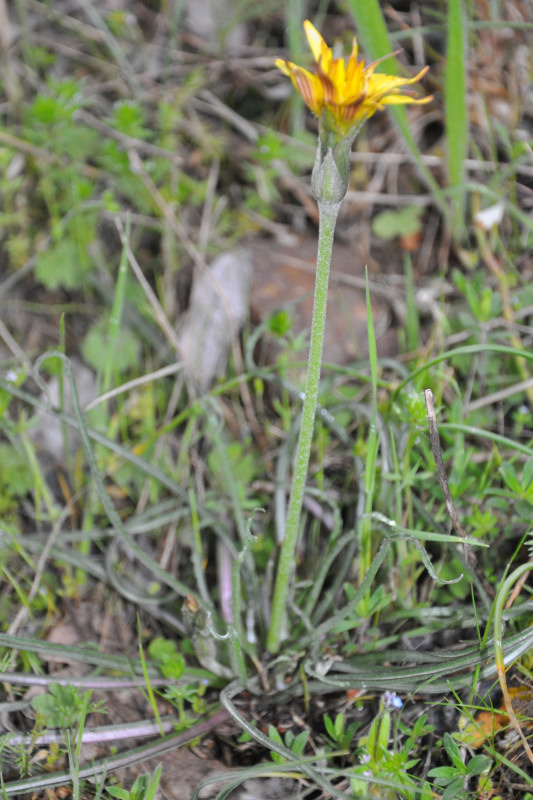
(294,743)
(144,788)
(165,653)
(481,299)
(337,731)
(385,764)
(172,664)
(392,224)
(520,483)
(61,706)
(452,779)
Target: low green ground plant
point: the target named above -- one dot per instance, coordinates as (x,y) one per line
(144,787)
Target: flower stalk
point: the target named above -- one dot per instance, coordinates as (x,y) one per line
(342,95)
(327,221)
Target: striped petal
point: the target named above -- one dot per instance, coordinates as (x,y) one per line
(348,91)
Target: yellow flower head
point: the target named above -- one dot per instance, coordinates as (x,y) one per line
(350,91)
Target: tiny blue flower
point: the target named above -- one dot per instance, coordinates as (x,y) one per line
(391,700)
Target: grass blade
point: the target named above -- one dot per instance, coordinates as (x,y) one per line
(365,556)
(455,109)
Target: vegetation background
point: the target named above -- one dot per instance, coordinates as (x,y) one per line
(157,237)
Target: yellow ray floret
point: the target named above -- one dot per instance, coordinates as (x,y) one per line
(350,91)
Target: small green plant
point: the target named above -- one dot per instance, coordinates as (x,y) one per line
(172,665)
(520,485)
(66,708)
(165,653)
(15,478)
(454,778)
(295,744)
(144,788)
(391,224)
(61,706)
(384,768)
(336,729)
(481,298)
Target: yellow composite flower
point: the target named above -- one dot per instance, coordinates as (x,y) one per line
(345,94)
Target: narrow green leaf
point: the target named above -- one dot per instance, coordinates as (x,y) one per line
(384,731)
(299,743)
(443,774)
(453,751)
(456,109)
(454,791)
(331,729)
(116,791)
(154,783)
(115,318)
(372,741)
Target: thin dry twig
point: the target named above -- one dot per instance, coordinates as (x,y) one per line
(164,372)
(517,589)
(137,167)
(501,394)
(160,315)
(209,202)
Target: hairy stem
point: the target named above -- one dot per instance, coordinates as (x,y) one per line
(327,220)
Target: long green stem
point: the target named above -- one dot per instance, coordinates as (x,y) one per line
(327,220)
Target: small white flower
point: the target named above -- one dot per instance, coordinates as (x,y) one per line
(490,217)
